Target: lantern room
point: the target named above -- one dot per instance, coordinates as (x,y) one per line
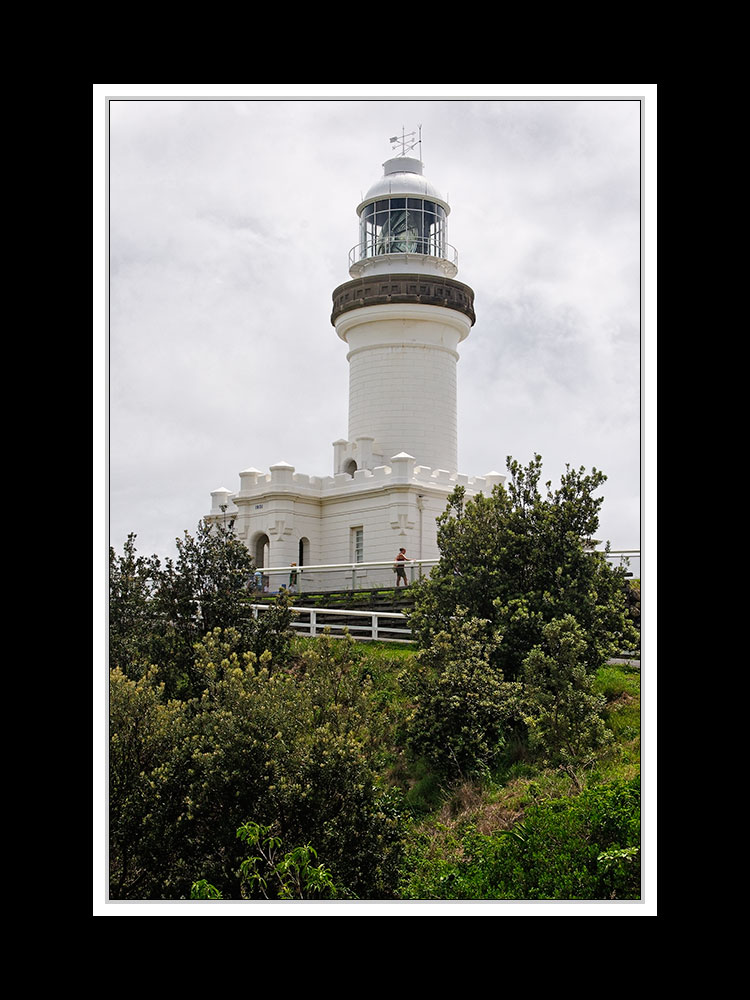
(402,224)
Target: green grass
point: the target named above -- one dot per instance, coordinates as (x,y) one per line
(615,681)
(621,687)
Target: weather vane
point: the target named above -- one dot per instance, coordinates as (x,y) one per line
(407,141)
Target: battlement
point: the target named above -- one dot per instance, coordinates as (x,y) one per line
(402,471)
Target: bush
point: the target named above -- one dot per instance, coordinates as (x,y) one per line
(461,702)
(293,748)
(565,715)
(585,847)
(519,560)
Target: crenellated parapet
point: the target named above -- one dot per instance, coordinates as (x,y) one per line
(282,479)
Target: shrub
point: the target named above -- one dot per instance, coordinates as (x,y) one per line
(565,715)
(461,702)
(586,847)
(292,748)
(520,559)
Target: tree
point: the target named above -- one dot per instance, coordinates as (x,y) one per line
(565,716)
(133,612)
(159,612)
(519,559)
(461,703)
(149,766)
(285,746)
(204,587)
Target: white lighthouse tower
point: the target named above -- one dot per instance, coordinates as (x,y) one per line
(402,316)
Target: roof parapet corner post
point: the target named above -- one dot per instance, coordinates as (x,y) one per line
(221,500)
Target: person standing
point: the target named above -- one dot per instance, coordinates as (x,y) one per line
(400,569)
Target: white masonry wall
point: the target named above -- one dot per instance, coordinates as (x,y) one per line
(395,505)
(402,380)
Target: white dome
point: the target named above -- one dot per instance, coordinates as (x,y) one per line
(402,176)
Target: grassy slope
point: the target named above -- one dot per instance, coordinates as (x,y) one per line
(442,815)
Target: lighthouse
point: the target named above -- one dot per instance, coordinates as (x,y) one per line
(402,316)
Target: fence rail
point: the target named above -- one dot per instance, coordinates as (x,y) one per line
(312,621)
(363,575)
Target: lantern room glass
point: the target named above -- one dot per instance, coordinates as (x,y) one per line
(402,225)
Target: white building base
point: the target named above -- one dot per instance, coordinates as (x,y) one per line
(286,517)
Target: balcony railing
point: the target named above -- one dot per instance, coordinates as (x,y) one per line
(417,248)
(370,575)
(339,576)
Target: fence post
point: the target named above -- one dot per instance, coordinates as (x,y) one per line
(374,626)
(313,623)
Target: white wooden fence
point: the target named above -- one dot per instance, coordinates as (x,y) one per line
(361,624)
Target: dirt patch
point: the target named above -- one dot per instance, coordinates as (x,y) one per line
(622,699)
(496,818)
(467,803)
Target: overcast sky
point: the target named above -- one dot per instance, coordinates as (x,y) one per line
(229,226)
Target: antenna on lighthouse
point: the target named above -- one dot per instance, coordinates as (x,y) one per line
(407,141)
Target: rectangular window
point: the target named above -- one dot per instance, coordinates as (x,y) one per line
(358,545)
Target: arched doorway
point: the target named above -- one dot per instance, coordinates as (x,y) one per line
(303,552)
(262,551)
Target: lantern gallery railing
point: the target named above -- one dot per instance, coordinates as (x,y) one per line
(425,247)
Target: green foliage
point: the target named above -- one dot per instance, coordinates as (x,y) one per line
(565,715)
(203,589)
(586,847)
(294,747)
(620,686)
(217,716)
(271,631)
(633,603)
(204,890)
(149,758)
(292,876)
(134,616)
(206,586)
(519,559)
(158,612)
(615,681)
(461,702)
(426,793)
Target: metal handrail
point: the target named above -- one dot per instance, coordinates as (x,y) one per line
(383,564)
(361,252)
(350,565)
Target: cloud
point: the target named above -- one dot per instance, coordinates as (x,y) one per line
(230,223)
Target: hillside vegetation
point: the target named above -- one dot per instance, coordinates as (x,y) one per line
(497,758)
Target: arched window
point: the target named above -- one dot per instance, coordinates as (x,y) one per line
(351,467)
